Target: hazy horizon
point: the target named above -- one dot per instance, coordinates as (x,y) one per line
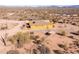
(38,2)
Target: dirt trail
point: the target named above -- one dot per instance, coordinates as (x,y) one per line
(12,31)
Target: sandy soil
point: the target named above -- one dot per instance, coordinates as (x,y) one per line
(51,41)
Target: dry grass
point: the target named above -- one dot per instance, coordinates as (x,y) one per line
(61,32)
(20,38)
(13,52)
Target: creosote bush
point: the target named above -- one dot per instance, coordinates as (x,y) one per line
(62,33)
(13,52)
(61,45)
(58,52)
(20,38)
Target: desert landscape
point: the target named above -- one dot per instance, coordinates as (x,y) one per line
(39,30)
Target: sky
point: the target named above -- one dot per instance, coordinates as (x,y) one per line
(38,2)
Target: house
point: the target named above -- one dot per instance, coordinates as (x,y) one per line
(39,25)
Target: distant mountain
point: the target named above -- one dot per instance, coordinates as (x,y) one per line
(60,6)
(72,6)
(51,6)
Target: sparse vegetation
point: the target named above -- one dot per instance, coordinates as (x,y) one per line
(58,52)
(43,49)
(61,45)
(71,37)
(35,51)
(76,43)
(77,51)
(61,32)
(47,33)
(20,38)
(75,33)
(66,21)
(3,27)
(13,52)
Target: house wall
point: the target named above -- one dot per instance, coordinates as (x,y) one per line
(42,27)
(47,26)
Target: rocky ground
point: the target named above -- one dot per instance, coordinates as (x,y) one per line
(62,39)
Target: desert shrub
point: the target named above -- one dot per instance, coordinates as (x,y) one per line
(5,17)
(43,49)
(78,32)
(20,19)
(12,52)
(73,23)
(77,51)
(58,52)
(3,27)
(61,45)
(31,33)
(71,37)
(47,33)
(36,36)
(76,43)
(35,51)
(74,33)
(61,21)
(37,42)
(20,38)
(62,33)
(33,37)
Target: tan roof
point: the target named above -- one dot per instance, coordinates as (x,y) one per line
(41,22)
